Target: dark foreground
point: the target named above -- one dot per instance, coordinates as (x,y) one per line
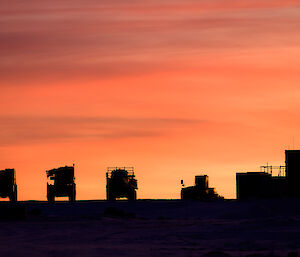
(150,228)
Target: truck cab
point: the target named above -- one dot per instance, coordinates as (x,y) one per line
(61,183)
(121,183)
(8,186)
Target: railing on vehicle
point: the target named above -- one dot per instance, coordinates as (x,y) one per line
(129,170)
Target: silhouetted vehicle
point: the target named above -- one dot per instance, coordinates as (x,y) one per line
(120,182)
(200,191)
(61,182)
(8,186)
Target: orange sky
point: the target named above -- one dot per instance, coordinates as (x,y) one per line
(173,88)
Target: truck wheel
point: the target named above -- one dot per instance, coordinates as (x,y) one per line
(132,195)
(50,194)
(72,196)
(110,197)
(13,195)
(52,199)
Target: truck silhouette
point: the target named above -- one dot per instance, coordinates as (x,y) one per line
(8,186)
(120,182)
(200,191)
(61,182)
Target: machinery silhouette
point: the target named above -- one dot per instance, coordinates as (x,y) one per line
(120,182)
(200,191)
(61,182)
(8,186)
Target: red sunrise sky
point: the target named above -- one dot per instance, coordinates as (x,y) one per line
(173,88)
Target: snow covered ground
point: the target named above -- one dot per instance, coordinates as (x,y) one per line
(151,228)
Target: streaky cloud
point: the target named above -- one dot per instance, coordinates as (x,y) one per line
(37,129)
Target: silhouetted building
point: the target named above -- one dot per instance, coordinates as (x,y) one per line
(292,162)
(121,183)
(279,187)
(8,186)
(61,183)
(200,191)
(252,184)
(264,185)
(260,185)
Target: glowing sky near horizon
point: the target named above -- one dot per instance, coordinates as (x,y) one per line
(173,88)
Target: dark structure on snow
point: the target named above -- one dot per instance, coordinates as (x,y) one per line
(61,182)
(8,186)
(200,191)
(292,163)
(262,184)
(121,182)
